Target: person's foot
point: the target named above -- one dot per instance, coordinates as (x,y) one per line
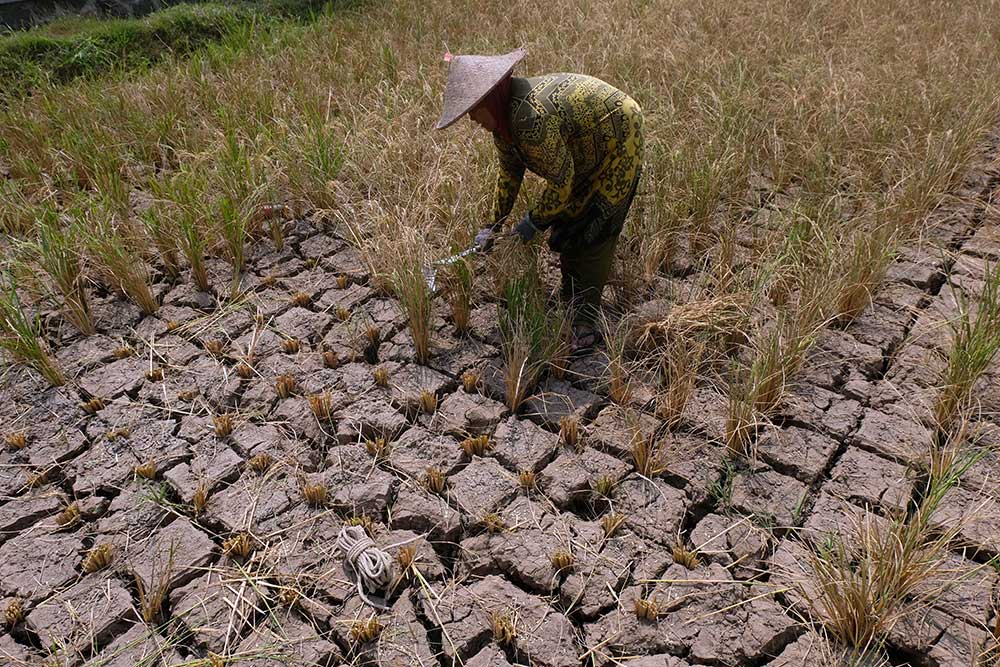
(585,338)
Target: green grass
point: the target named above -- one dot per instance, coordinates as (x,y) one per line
(975,344)
(75,47)
(59,256)
(531,330)
(21,335)
(870,577)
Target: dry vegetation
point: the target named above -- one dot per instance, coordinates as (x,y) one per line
(810,134)
(792,148)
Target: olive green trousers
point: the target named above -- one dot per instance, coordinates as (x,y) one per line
(585,272)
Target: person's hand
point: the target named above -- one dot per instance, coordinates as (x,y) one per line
(525,229)
(485,238)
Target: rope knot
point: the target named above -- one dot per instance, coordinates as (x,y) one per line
(370,564)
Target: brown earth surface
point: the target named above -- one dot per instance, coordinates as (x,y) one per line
(848,436)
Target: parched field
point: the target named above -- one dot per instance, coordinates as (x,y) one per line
(219,351)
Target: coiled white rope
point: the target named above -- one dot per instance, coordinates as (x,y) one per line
(371,565)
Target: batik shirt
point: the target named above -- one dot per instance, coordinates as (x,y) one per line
(584,137)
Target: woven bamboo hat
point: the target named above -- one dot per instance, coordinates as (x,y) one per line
(470,80)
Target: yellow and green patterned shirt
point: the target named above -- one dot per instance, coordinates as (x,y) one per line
(585,138)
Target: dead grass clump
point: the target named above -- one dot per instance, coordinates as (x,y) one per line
(428,402)
(569,431)
(459,291)
(120,433)
(604,486)
(14,613)
(98,558)
(343,281)
(646,609)
(562,346)
(187,395)
(284,386)
(314,494)
(411,289)
(301,299)
(93,405)
(647,455)
(406,556)
(377,448)
(321,406)
(476,445)
(740,416)
(435,481)
(289,596)
(562,560)
(154,375)
(38,478)
(504,628)
(769,370)
(341,313)
(363,632)
(494,523)
(152,594)
(381,376)
(244,370)
(331,359)
(199,499)
(684,556)
(239,546)
(679,364)
(373,338)
(619,383)
(470,381)
(223,425)
(715,317)
(146,470)
(69,516)
(362,521)
(870,255)
(17,440)
(215,347)
(610,523)
(290,345)
(123,352)
(527,480)
(260,462)
(172,326)
(619,371)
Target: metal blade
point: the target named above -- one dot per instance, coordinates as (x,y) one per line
(430,272)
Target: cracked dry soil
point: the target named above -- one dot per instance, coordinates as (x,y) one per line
(120,522)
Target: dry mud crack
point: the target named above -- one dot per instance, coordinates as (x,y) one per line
(167,522)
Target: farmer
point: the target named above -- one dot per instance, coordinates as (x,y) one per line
(584,137)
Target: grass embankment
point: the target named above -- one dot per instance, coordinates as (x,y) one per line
(72,47)
(790,148)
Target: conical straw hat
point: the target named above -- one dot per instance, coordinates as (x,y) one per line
(470,79)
